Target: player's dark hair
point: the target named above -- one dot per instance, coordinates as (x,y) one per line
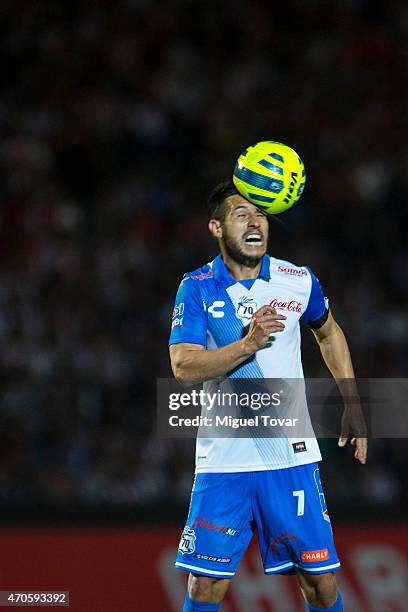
(216,204)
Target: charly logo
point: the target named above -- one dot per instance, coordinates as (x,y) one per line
(246,308)
(187,541)
(215,309)
(312,556)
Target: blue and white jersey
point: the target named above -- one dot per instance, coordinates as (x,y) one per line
(212,309)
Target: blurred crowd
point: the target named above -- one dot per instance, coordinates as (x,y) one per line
(116,120)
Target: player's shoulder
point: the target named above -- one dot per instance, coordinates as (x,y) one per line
(196,281)
(289,269)
(204,273)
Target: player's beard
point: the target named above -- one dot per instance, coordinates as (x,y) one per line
(237,254)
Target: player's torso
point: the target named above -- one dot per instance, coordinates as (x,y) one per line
(230,309)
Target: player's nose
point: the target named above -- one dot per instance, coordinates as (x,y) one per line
(254,220)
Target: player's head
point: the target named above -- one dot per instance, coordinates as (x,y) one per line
(240,227)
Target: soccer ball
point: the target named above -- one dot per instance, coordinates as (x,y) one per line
(271,175)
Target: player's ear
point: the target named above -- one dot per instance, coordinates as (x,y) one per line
(215,228)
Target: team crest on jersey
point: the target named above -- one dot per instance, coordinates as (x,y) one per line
(246,308)
(187,541)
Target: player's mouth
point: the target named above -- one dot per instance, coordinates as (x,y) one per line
(254,239)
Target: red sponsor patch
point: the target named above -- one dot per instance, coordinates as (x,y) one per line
(312,556)
(292,306)
(294,271)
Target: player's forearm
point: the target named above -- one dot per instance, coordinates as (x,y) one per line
(193,366)
(336,354)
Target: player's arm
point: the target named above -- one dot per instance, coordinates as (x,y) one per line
(192,363)
(334,348)
(335,352)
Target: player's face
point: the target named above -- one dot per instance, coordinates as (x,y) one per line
(245,231)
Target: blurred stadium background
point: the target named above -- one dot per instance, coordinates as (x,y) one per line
(116,119)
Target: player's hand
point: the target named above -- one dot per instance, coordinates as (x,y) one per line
(353,426)
(264,322)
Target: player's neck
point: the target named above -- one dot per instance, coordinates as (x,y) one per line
(239,271)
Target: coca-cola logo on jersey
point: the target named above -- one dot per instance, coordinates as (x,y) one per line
(292,306)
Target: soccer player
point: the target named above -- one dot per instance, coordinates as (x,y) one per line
(241,484)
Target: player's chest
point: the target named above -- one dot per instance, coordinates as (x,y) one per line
(230,309)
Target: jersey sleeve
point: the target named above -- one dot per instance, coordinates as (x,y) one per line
(317,309)
(189,322)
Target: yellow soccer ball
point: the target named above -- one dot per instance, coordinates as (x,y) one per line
(271,175)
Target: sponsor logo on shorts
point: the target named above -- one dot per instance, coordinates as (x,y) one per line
(204,523)
(299,447)
(283,537)
(214,559)
(312,556)
(187,541)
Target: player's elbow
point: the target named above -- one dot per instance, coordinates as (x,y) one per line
(181,371)
(185,364)
(186,380)
(179,374)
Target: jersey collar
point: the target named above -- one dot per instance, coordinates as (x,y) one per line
(222,275)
